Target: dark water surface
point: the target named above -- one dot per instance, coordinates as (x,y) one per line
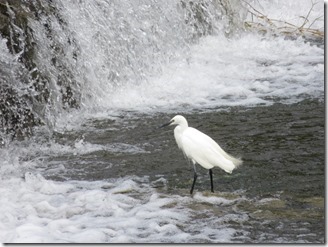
(282,178)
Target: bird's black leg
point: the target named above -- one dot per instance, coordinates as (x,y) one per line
(193,183)
(211,176)
(195,177)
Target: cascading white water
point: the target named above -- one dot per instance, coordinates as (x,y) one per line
(121,59)
(111,44)
(77,54)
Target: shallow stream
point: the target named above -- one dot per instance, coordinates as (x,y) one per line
(277,195)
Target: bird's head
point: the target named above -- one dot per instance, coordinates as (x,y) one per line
(177,120)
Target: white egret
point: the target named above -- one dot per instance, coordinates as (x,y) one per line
(201,149)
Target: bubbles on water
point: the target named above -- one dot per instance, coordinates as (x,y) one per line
(220,72)
(119,210)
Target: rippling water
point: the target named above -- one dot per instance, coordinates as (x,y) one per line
(124,180)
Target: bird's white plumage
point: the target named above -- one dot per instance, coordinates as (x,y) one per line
(200,148)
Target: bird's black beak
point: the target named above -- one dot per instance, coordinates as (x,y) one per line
(166,124)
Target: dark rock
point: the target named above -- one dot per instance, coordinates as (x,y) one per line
(25,91)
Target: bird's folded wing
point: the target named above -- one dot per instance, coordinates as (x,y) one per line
(205,151)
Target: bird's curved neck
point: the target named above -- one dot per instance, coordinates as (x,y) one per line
(181,127)
(184,124)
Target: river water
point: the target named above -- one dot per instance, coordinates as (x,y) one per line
(106,173)
(276,196)
(121,179)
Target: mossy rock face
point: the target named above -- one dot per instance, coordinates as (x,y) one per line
(17,115)
(17,123)
(25,90)
(4,23)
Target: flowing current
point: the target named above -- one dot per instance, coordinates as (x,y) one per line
(97,78)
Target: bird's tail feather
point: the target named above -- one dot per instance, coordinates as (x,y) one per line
(236,161)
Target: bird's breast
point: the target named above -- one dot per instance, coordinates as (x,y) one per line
(178,132)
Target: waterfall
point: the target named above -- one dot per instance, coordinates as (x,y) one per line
(61,55)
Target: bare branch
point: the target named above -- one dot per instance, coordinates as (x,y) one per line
(284,27)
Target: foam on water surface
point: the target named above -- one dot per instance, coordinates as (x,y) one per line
(249,71)
(119,210)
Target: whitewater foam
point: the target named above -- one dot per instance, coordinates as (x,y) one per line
(248,71)
(124,62)
(126,210)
